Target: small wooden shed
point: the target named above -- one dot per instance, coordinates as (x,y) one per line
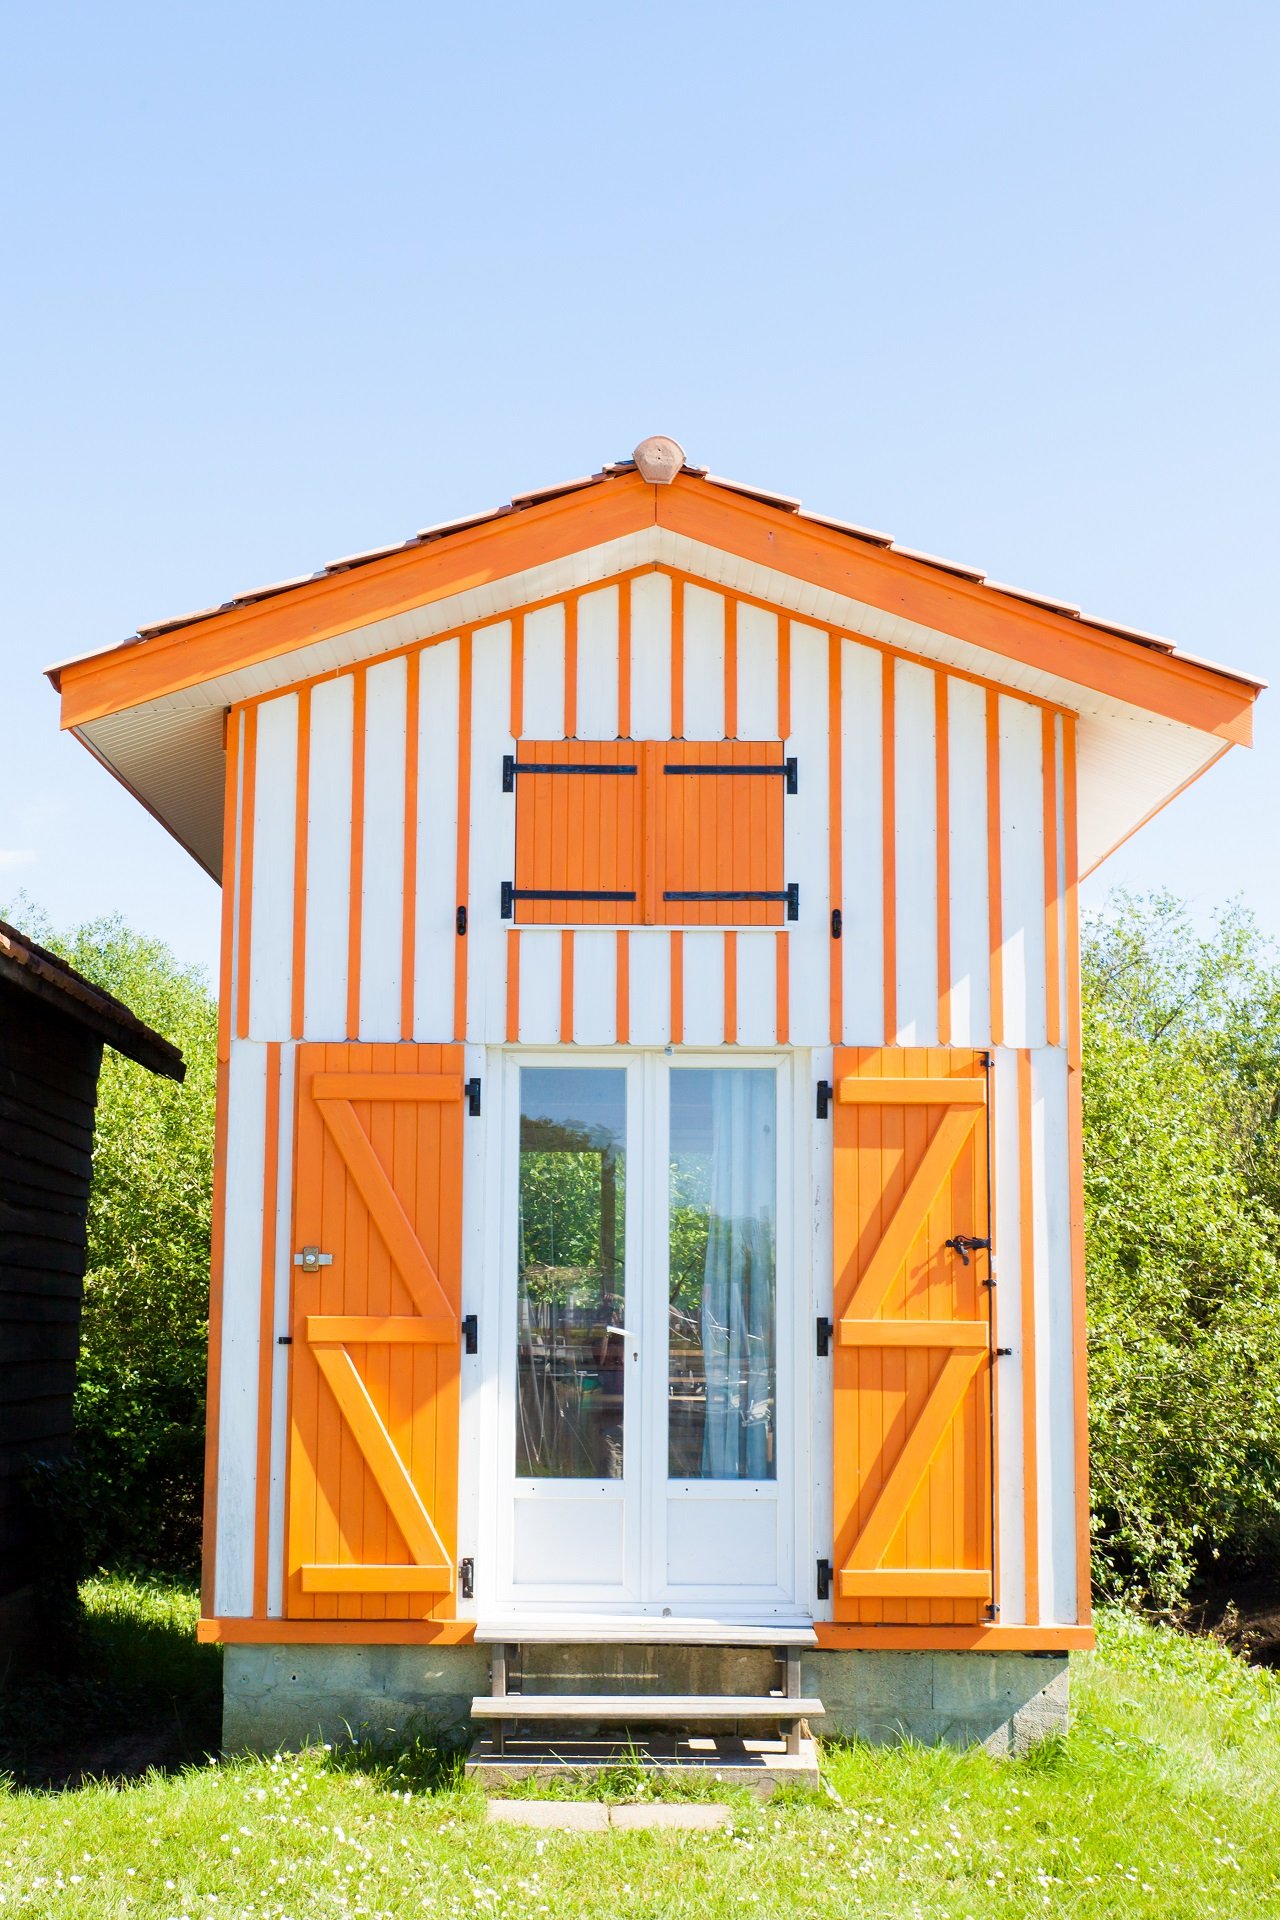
(650,1021)
(53,1026)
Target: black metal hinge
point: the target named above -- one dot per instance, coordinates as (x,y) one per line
(787,768)
(467,1578)
(825,1092)
(284,1339)
(511,893)
(472,1091)
(824,1329)
(992,1609)
(824,1579)
(470,1333)
(791,895)
(511,767)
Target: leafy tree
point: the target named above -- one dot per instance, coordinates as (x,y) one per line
(139,1411)
(1182,1189)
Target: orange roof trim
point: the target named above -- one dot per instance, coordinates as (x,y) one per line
(758,526)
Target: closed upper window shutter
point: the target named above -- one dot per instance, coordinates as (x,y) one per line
(720,833)
(578,833)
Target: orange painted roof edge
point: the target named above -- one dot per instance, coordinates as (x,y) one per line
(354,590)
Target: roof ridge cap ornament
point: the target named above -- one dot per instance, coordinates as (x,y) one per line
(659,459)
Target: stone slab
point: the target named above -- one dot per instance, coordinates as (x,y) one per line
(671,1816)
(570,1816)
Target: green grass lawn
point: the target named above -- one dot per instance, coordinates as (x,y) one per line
(1164,1800)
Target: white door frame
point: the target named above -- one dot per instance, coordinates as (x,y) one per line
(645,1488)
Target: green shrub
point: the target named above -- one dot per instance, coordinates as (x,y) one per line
(1182,1179)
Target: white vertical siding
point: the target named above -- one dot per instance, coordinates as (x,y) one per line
(757,673)
(757,989)
(539,986)
(703,989)
(807,838)
(1022,873)
(1055,1380)
(862,846)
(279,1409)
(595,987)
(651,657)
(328,920)
(435,889)
(598,665)
(382,869)
(703,664)
(543,675)
(916,865)
(649,978)
(967,817)
(274,809)
(1007,1265)
(493,828)
(241,1294)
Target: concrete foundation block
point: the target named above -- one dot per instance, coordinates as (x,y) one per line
(287,1696)
(1005,1702)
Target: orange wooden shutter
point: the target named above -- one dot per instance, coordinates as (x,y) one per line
(374,1378)
(578,832)
(912,1360)
(720,832)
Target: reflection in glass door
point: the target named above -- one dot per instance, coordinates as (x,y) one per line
(570,1331)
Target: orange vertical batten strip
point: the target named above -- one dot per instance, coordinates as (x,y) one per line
(571,666)
(624,659)
(566,988)
(677,989)
(409,890)
(1052,903)
(463,866)
(942,836)
(995,905)
(784,677)
(517,674)
(677,659)
(622,1012)
(730,989)
(244,870)
(266,1329)
(301,813)
(217,1233)
(355,911)
(1027,1267)
(513,985)
(730,667)
(835,778)
(1075,1128)
(782,987)
(888,832)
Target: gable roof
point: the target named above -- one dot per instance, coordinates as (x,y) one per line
(166,682)
(34,970)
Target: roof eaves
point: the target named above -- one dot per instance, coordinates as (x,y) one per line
(24,962)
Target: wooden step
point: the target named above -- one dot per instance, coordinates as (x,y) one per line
(641,1630)
(644,1708)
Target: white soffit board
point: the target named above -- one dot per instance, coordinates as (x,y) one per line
(169,751)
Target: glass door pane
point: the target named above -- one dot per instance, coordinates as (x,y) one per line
(722,1295)
(571,1282)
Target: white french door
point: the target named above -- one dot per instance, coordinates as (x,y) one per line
(647,1382)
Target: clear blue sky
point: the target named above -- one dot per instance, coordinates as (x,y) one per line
(283,282)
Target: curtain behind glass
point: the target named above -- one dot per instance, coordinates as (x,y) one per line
(723,1346)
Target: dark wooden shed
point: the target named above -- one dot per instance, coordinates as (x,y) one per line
(53,1027)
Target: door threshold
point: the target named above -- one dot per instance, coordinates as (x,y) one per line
(595,1629)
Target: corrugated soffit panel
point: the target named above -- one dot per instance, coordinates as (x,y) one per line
(174,763)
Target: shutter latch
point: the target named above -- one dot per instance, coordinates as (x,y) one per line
(824,1579)
(964,1244)
(310,1259)
(824,1330)
(470,1333)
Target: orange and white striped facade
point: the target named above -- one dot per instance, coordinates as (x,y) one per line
(918,973)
